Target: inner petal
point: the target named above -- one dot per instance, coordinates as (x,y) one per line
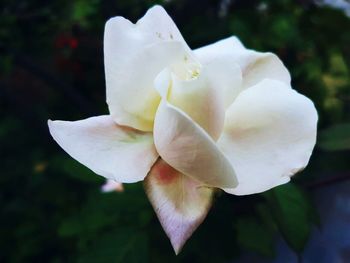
(202,92)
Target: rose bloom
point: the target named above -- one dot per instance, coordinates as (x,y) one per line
(188,122)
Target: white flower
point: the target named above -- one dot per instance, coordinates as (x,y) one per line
(188,122)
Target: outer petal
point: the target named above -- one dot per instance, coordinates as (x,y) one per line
(270,132)
(134,54)
(112,151)
(181,203)
(184,145)
(255,66)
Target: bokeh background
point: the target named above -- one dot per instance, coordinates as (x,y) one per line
(52,208)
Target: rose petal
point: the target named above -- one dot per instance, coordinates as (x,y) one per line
(225,46)
(180,203)
(204,97)
(269,135)
(112,186)
(225,77)
(184,145)
(134,54)
(255,66)
(132,99)
(112,151)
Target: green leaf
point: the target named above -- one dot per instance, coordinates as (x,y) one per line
(103,211)
(122,244)
(70,227)
(293,214)
(82,10)
(264,213)
(254,236)
(335,138)
(75,169)
(313,214)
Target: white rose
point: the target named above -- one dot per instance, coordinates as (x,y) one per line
(187,122)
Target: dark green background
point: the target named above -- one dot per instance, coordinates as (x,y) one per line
(51,66)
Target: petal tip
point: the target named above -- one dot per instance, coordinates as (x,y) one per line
(179,237)
(51,125)
(116,19)
(180,203)
(177,247)
(157,8)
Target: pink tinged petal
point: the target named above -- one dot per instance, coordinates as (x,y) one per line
(112,186)
(180,202)
(255,66)
(112,151)
(269,135)
(134,54)
(184,145)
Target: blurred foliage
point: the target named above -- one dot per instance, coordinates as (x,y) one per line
(51,66)
(293,214)
(336,137)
